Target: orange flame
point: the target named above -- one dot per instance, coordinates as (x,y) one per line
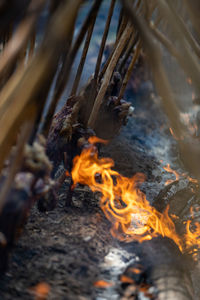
(174,136)
(170,170)
(125,206)
(177,175)
(41,291)
(103,284)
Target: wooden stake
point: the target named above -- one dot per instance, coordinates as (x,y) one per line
(129,71)
(83,57)
(116,55)
(104,38)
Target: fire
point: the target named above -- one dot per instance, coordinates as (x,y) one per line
(174,136)
(170,170)
(41,291)
(178,175)
(124,205)
(103,284)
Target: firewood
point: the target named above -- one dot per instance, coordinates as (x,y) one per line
(162,272)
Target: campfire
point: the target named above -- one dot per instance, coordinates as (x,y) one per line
(125,206)
(99,149)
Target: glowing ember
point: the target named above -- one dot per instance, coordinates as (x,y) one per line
(126,279)
(126,207)
(103,284)
(173,134)
(176,174)
(41,291)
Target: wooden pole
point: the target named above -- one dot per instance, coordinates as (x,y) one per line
(116,55)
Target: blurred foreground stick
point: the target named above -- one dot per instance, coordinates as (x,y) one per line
(189,146)
(25,94)
(162,274)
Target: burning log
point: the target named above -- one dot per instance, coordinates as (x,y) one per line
(162,273)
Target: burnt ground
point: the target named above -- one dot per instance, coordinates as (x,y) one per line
(71,248)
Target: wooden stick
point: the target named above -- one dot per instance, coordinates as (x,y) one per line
(190,58)
(130,48)
(119,33)
(129,71)
(53,103)
(37,76)
(99,99)
(32,45)
(83,57)
(13,48)
(172,50)
(154,56)
(189,148)
(193,7)
(193,44)
(104,38)
(63,76)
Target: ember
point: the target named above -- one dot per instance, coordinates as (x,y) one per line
(125,206)
(103,284)
(41,291)
(178,175)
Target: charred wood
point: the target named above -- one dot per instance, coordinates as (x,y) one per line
(162,273)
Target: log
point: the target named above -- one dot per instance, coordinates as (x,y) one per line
(164,269)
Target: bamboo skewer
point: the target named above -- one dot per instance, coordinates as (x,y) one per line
(129,71)
(83,57)
(64,73)
(116,55)
(104,38)
(193,44)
